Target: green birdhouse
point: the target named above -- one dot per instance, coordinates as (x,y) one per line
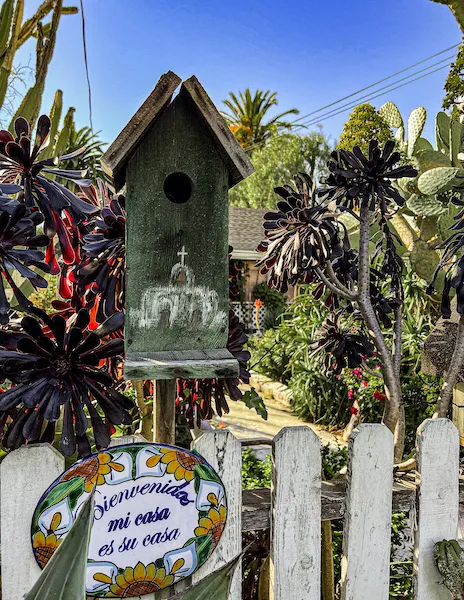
(177,159)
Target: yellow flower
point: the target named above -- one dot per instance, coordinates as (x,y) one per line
(180,464)
(93,470)
(214,523)
(136,581)
(45,545)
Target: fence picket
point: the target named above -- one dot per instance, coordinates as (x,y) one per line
(296,515)
(224,453)
(437,502)
(366,540)
(26,473)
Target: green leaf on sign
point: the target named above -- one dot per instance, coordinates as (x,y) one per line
(204,547)
(64,576)
(59,493)
(252,399)
(205,472)
(214,587)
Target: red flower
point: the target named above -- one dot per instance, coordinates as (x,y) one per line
(354,410)
(379,396)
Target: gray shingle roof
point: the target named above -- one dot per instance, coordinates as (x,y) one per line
(246,230)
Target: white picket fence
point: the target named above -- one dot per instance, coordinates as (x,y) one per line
(296,511)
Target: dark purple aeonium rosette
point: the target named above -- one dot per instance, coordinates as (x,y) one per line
(301,235)
(342,347)
(195,396)
(101,274)
(18,253)
(56,363)
(20,163)
(358,180)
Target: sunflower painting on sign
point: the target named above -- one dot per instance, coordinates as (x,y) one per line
(159,513)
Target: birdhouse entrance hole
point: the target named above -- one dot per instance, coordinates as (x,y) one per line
(178,187)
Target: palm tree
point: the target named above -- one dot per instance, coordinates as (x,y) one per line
(94,148)
(247,113)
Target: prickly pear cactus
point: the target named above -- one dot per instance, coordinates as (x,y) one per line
(416,124)
(427,206)
(391,114)
(424,259)
(438,180)
(449,558)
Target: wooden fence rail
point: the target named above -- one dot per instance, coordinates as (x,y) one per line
(294,509)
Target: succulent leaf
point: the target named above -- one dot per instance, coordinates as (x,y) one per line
(427,206)
(389,111)
(431,159)
(455,140)
(424,259)
(449,558)
(437,180)
(416,124)
(442,131)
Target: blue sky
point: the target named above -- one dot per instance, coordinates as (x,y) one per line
(311,52)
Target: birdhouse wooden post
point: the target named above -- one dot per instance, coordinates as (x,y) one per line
(177,159)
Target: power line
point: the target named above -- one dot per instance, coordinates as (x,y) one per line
(375,93)
(324,117)
(371,95)
(375,84)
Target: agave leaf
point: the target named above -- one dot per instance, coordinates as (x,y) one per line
(214,587)
(64,576)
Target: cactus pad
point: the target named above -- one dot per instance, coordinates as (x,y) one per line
(416,124)
(437,180)
(391,115)
(427,206)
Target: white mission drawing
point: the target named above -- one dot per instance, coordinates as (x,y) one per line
(181,303)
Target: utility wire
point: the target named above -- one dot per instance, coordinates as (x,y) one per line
(375,84)
(371,96)
(84,44)
(328,116)
(376,94)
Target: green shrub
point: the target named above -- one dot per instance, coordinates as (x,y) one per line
(274,302)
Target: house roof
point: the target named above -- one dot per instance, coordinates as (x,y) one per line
(116,157)
(246,231)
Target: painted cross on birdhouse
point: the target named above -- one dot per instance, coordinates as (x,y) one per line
(177,159)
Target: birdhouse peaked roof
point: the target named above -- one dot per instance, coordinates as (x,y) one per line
(115,159)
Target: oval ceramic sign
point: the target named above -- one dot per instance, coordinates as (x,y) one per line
(159,513)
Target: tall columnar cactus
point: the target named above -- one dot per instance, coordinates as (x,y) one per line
(440,177)
(14,33)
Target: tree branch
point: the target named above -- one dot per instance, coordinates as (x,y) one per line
(455,366)
(397,338)
(333,287)
(391,381)
(334,279)
(366,368)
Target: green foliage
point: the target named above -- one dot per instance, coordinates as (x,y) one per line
(58,580)
(270,356)
(276,163)
(333,461)
(253,400)
(454,85)
(213,587)
(256,473)
(274,302)
(94,148)
(247,113)
(364,124)
(439,179)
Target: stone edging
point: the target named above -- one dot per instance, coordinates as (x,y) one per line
(268,388)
